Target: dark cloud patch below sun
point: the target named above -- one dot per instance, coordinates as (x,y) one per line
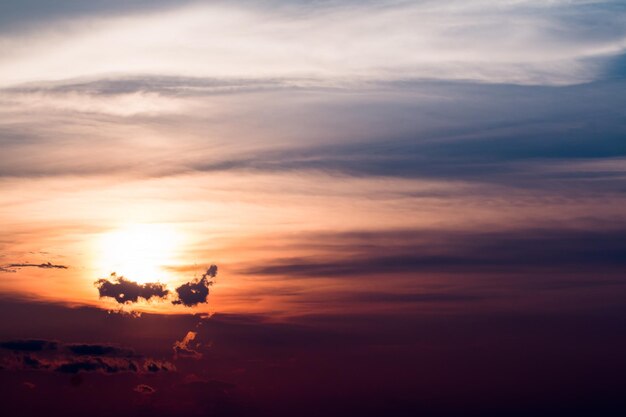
(196,291)
(126,291)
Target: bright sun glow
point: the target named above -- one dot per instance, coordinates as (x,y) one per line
(139,252)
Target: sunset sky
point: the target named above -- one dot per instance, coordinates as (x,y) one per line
(328,207)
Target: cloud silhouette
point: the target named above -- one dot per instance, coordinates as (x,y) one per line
(29,345)
(125,291)
(418,251)
(73,358)
(15,266)
(99,350)
(196,291)
(108,366)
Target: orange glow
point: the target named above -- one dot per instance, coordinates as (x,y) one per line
(138,251)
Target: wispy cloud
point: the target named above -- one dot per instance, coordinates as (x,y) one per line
(126,291)
(560,252)
(15,266)
(197,291)
(527,42)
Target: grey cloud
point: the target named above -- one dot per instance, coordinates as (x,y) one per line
(163,85)
(125,291)
(96,365)
(154,366)
(33,363)
(560,250)
(72,358)
(15,266)
(410,298)
(196,291)
(29,345)
(491,143)
(409,129)
(99,350)
(489,134)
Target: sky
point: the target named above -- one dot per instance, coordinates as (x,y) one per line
(326,207)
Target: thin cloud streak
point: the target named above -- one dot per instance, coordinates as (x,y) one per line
(413,252)
(45,265)
(52,356)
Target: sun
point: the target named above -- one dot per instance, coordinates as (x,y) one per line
(138,251)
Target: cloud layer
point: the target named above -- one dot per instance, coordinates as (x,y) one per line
(53,356)
(525,42)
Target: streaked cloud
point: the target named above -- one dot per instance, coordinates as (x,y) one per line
(522,42)
(52,356)
(45,265)
(197,291)
(388,253)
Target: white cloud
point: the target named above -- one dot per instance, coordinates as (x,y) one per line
(525,42)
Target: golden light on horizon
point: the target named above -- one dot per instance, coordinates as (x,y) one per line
(138,252)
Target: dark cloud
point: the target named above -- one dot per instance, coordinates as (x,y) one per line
(474,133)
(45,265)
(399,298)
(29,345)
(126,291)
(72,358)
(31,362)
(196,291)
(486,130)
(345,363)
(105,365)
(405,252)
(99,350)
(154,366)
